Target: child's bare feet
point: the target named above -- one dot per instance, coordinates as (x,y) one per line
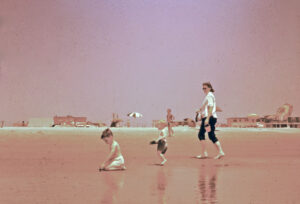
(163,162)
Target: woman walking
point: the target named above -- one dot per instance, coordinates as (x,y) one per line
(209,120)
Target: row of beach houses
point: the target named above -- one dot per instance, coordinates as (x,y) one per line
(64,121)
(252,121)
(281,119)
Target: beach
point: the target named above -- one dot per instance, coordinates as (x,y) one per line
(60,165)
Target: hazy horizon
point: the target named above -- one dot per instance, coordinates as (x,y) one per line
(95,58)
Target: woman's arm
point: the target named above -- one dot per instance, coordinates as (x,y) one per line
(210,103)
(202,107)
(209,114)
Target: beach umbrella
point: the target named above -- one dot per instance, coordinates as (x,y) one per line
(135,115)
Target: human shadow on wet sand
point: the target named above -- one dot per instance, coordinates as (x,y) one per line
(155,164)
(195,157)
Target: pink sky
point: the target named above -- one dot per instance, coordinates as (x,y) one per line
(93,58)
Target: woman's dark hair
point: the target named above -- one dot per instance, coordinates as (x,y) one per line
(106,133)
(208,84)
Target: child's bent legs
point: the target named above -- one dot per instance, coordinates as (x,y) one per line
(117,164)
(162,157)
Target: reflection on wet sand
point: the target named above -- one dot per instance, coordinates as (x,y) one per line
(113,182)
(161,185)
(207,183)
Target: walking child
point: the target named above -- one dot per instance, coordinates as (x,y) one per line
(161,141)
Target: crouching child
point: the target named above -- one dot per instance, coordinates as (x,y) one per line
(115,160)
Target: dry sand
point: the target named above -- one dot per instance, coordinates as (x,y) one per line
(60,165)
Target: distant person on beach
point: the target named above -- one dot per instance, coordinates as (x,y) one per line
(170,119)
(161,141)
(115,160)
(208,121)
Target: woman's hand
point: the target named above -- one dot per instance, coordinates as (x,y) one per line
(206,121)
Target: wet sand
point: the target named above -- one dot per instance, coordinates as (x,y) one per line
(60,165)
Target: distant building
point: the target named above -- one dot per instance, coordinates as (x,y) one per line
(40,122)
(221,125)
(243,122)
(291,122)
(70,121)
(20,124)
(186,122)
(101,124)
(281,119)
(294,122)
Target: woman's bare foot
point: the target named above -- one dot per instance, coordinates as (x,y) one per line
(220,155)
(202,157)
